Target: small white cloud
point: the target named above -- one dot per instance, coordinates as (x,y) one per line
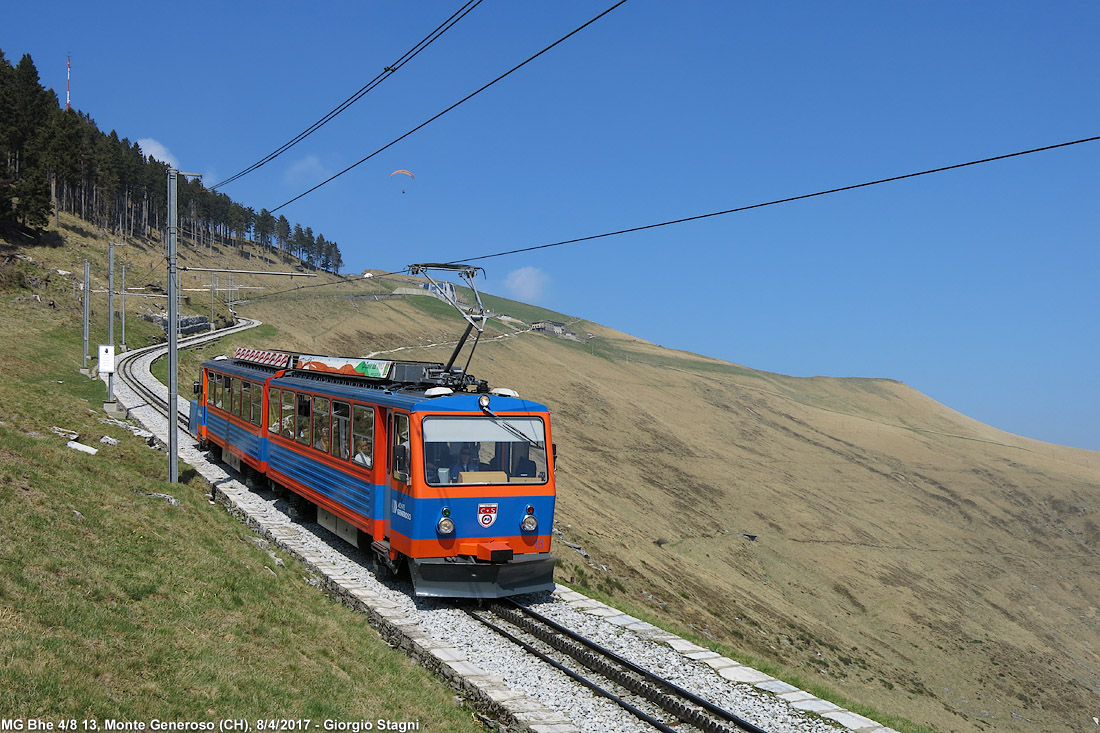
(526,284)
(305,170)
(149,146)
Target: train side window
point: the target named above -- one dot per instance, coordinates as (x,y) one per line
(341,429)
(362,428)
(401,447)
(243,406)
(257,404)
(225,393)
(286,423)
(211,387)
(274,399)
(303,419)
(320,424)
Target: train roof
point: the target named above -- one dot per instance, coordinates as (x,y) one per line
(408,385)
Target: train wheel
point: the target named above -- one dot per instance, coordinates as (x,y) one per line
(306,509)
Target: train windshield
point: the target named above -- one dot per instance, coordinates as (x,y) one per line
(484,450)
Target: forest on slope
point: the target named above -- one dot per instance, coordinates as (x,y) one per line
(56,160)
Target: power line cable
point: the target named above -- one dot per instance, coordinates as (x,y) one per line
(716,213)
(369,86)
(464,99)
(773,203)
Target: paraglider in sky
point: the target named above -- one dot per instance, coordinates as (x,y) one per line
(407,173)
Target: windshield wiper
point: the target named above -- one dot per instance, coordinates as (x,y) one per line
(511,429)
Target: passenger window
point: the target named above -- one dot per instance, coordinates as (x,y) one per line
(274,399)
(225,393)
(320,424)
(243,406)
(341,430)
(257,404)
(363,435)
(303,419)
(211,387)
(401,446)
(235,400)
(287,420)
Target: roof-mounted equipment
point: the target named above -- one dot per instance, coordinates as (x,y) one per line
(475,317)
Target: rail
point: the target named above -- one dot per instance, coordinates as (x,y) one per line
(683,706)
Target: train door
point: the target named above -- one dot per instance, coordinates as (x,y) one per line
(396,483)
(400,453)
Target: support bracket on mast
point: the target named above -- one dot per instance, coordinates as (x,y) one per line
(475,317)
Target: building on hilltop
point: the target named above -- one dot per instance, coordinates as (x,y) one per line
(554,328)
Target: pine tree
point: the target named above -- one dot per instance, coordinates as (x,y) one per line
(32,200)
(7,112)
(322,251)
(337,260)
(282,233)
(309,247)
(265,227)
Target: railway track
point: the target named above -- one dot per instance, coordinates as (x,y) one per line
(652,699)
(133,363)
(646,698)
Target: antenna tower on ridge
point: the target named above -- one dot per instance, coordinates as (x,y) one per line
(68,77)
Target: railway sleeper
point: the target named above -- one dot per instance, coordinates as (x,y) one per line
(635,683)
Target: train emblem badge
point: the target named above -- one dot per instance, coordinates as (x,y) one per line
(486,514)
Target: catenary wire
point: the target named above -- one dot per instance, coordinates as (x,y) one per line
(720,213)
(773,203)
(385,74)
(456,104)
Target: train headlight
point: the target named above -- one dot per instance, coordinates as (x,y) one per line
(446,525)
(483,402)
(529,523)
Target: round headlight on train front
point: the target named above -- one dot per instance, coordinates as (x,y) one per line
(529,523)
(446,525)
(483,402)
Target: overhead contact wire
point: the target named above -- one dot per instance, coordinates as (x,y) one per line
(720,213)
(369,86)
(773,203)
(456,104)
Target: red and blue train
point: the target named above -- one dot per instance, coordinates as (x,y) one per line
(417,462)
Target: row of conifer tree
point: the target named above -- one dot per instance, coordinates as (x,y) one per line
(53,159)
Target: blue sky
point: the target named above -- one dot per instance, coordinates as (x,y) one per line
(975,286)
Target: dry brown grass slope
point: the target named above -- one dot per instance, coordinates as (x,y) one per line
(909,557)
(912,558)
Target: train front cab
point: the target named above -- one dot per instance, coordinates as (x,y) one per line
(478,533)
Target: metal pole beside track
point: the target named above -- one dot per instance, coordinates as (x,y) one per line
(123,294)
(173,316)
(111,314)
(87,293)
(173,326)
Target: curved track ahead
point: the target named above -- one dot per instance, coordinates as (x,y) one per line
(607,673)
(139,361)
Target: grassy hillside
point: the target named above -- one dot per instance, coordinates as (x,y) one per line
(116,603)
(849,534)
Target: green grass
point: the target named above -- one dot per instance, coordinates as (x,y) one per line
(523,311)
(114,604)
